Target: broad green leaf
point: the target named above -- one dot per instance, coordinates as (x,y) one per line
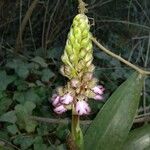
(5,80)
(32,96)
(47,74)
(29,95)
(23,113)
(54,53)
(4,104)
(20,67)
(38,144)
(8,117)
(40,61)
(22,71)
(12,129)
(19,97)
(138,139)
(112,124)
(24,141)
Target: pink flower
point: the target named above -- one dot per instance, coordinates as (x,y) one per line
(82,108)
(55,100)
(99,89)
(98,97)
(60,109)
(66,99)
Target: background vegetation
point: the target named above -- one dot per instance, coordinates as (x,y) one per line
(32,39)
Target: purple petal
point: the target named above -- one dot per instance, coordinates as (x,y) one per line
(98,97)
(66,99)
(82,108)
(55,100)
(60,109)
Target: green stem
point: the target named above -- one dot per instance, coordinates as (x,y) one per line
(76,132)
(74,125)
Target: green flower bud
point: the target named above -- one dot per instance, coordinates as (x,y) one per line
(72,58)
(84,26)
(85,42)
(78,51)
(85,33)
(82,53)
(88,57)
(68,48)
(77,33)
(89,46)
(71,37)
(89,63)
(76,47)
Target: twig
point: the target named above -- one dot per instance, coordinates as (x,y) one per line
(49,25)
(10,144)
(58,121)
(83,122)
(82,7)
(44,23)
(141,71)
(147,28)
(23,25)
(141,120)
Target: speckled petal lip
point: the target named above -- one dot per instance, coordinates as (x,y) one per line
(60,109)
(66,99)
(99,89)
(98,97)
(55,100)
(82,108)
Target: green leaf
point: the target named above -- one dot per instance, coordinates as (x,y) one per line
(8,117)
(22,71)
(20,67)
(4,104)
(112,124)
(24,141)
(19,97)
(40,61)
(32,96)
(138,139)
(5,80)
(38,144)
(23,113)
(12,129)
(47,74)
(29,95)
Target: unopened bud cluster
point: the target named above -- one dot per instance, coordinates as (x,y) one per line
(78,67)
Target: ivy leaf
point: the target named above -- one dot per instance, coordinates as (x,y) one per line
(47,74)
(29,95)
(40,61)
(12,129)
(23,113)
(4,104)
(19,97)
(24,141)
(5,80)
(38,144)
(8,117)
(22,71)
(32,96)
(111,126)
(20,67)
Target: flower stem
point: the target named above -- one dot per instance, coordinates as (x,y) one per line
(76,131)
